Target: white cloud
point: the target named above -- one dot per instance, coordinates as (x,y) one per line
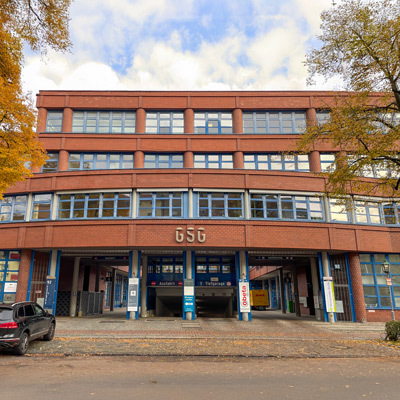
(271,58)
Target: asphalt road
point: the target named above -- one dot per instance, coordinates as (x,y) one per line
(88,377)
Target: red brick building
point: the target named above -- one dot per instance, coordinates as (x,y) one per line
(193,194)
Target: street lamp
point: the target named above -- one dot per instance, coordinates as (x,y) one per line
(386,270)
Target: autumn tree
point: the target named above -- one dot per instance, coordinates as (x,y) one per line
(42,24)
(361,45)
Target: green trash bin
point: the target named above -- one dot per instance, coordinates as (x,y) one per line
(290,306)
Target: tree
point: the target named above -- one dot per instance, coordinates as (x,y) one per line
(42,24)
(360,44)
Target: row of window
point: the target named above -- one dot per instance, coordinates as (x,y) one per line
(174,204)
(9,272)
(90,161)
(376,291)
(172,122)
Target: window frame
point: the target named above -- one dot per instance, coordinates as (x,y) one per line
(52,157)
(286,203)
(13,204)
(268,162)
(51,116)
(376,285)
(72,200)
(39,202)
(217,197)
(85,128)
(159,196)
(271,118)
(220,162)
(95,161)
(222,127)
(157,160)
(175,128)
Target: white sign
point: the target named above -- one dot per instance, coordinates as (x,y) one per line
(133,294)
(339,306)
(10,287)
(244,296)
(329,295)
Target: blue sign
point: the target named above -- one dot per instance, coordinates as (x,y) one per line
(49,293)
(188,304)
(189,301)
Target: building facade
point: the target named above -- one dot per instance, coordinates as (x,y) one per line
(188,197)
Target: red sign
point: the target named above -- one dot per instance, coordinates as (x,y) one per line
(389,281)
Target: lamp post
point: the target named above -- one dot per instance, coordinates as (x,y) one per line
(386,270)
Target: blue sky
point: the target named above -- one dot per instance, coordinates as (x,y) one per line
(183,45)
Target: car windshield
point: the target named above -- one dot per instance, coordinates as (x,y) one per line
(5,314)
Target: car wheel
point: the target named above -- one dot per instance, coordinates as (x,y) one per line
(50,334)
(23,344)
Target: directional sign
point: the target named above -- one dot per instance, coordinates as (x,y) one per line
(49,293)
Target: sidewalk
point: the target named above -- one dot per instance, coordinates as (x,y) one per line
(269,334)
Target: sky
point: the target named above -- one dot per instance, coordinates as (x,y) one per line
(183,45)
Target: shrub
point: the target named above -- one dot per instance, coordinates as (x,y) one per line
(392,329)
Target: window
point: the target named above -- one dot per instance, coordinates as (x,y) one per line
(379,169)
(323,117)
(104,122)
(88,161)
(376,290)
(219,205)
(164,269)
(164,122)
(13,208)
(274,206)
(9,271)
(327,162)
(51,163)
(274,122)
(391,213)
(54,121)
(163,161)
(41,206)
(276,162)
(94,205)
(367,212)
(161,205)
(338,212)
(213,161)
(213,122)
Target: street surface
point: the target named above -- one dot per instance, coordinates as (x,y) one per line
(87,377)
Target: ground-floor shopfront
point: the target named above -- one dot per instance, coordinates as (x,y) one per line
(194,283)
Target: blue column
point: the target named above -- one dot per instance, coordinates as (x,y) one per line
(353,310)
(321,274)
(28,294)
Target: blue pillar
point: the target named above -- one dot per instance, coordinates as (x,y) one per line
(28,294)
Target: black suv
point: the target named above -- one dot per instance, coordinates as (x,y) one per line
(22,322)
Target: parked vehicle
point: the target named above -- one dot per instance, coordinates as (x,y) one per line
(20,323)
(259,299)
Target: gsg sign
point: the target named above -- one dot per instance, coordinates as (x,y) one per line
(191,235)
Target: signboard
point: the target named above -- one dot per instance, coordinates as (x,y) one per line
(188,296)
(209,283)
(10,287)
(109,258)
(329,294)
(166,283)
(339,306)
(133,294)
(244,296)
(49,293)
(389,281)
